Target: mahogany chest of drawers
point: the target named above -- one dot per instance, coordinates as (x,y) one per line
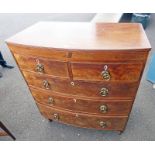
(82,74)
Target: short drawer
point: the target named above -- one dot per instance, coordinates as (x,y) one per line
(72,103)
(84,120)
(42,65)
(82,88)
(107,71)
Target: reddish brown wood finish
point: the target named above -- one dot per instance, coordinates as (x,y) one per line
(84,120)
(86,89)
(51,67)
(80,55)
(117,71)
(106,56)
(54,54)
(74,55)
(84,36)
(73,103)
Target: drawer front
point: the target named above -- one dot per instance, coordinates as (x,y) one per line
(109,56)
(81,88)
(107,71)
(84,120)
(51,53)
(42,65)
(102,107)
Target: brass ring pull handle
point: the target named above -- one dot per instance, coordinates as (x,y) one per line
(105,73)
(46,84)
(104,92)
(103,108)
(103,124)
(39,67)
(50,101)
(56,117)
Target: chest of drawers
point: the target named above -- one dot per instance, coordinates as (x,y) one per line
(82,74)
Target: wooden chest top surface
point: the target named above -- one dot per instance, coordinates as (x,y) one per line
(84,36)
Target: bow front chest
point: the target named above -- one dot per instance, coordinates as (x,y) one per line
(82,74)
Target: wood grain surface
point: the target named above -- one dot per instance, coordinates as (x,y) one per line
(117,71)
(84,120)
(124,90)
(51,67)
(77,104)
(72,57)
(83,35)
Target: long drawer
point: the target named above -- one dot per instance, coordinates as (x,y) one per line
(81,55)
(42,65)
(84,120)
(107,71)
(81,88)
(103,107)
